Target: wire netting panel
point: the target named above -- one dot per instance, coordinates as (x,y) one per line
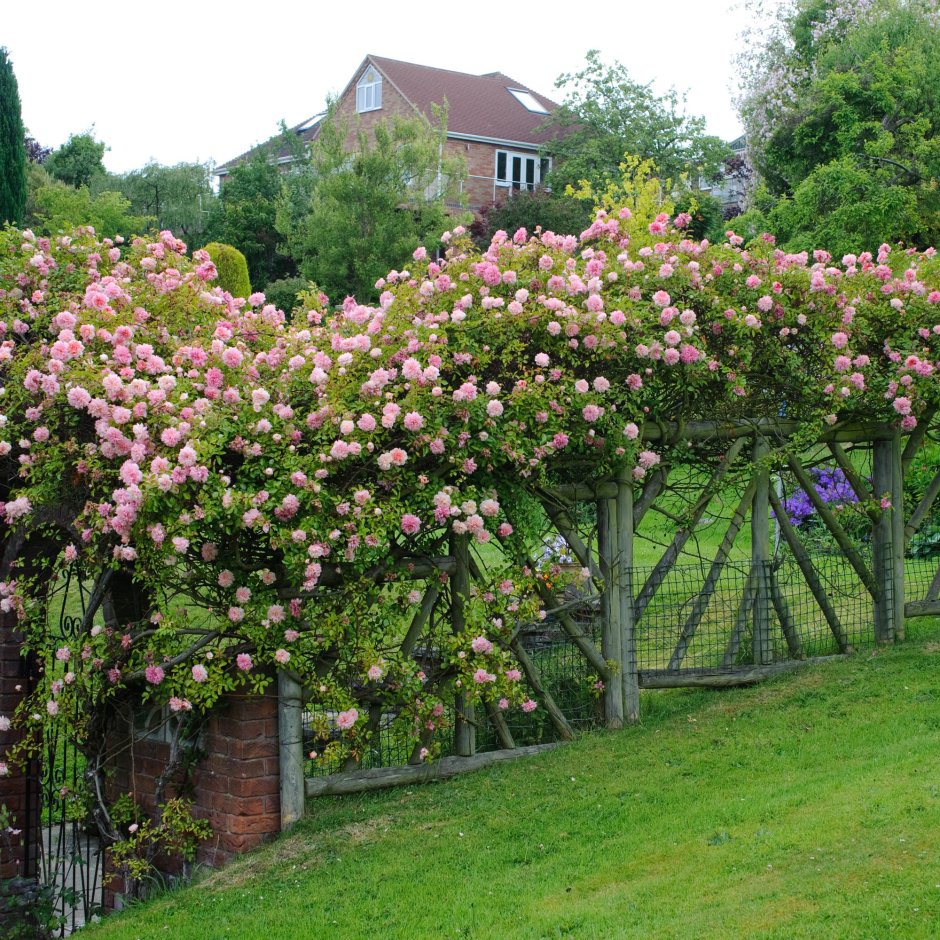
(921,577)
(846,594)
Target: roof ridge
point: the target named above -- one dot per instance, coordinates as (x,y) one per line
(434,68)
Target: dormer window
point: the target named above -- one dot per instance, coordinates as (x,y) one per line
(369,92)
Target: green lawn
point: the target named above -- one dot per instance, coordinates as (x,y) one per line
(806,807)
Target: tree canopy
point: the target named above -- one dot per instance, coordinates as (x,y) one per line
(842,111)
(178,197)
(605,114)
(350,216)
(78,162)
(244,216)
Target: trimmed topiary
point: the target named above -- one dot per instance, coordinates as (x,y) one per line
(232,268)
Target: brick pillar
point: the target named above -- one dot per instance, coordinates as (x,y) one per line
(236,786)
(18,789)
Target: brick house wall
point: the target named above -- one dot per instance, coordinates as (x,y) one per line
(478,189)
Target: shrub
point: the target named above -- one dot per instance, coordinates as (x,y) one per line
(232,268)
(549,211)
(284,293)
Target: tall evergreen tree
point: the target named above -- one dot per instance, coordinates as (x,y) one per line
(12,146)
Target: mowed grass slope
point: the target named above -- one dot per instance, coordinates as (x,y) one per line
(806,807)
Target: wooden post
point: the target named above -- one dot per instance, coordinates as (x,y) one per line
(897,535)
(465,732)
(623,579)
(760,555)
(888,541)
(610,609)
(291,746)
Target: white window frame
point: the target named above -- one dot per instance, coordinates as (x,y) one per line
(539,165)
(369,92)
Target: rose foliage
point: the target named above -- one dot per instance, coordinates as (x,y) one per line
(268,481)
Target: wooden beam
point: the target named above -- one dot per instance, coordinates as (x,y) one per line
(773,428)
(715,679)
(465,725)
(420,619)
(888,608)
(828,518)
(653,486)
(623,595)
(379,778)
(503,734)
(611,639)
(858,483)
(916,438)
(809,572)
(790,632)
(581,492)
(590,651)
(760,554)
(933,591)
(740,620)
(665,564)
(555,714)
(290,748)
(703,598)
(561,519)
(922,608)
(923,508)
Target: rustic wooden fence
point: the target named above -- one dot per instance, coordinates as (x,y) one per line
(754,599)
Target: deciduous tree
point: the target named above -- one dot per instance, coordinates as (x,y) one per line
(368,209)
(78,161)
(606,114)
(842,110)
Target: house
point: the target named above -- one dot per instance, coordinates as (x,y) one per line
(497,124)
(731,189)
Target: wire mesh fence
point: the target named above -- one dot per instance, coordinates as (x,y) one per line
(708,620)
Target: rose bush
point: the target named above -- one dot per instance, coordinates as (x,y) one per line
(269,481)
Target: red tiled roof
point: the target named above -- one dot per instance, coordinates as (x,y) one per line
(479,105)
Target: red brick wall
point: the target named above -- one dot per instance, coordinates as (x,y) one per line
(236,786)
(14,679)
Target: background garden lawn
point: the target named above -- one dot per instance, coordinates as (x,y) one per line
(806,807)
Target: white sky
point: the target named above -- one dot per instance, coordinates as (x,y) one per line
(210,81)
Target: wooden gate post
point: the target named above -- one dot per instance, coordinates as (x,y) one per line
(465,732)
(630,683)
(291,747)
(612,637)
(760,555)
(888,541)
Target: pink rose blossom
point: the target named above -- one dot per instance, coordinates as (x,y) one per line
(345,720)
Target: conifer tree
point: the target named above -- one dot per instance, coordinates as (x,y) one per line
(12,146)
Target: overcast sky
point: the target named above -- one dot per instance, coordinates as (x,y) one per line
(210,81)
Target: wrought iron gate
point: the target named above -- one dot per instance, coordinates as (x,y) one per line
(68,856)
